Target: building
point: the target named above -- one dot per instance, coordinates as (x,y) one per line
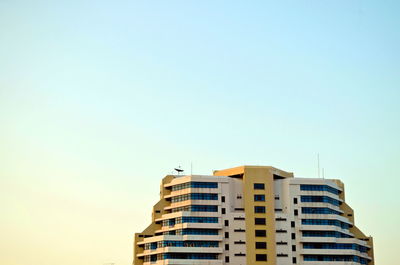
(252,215)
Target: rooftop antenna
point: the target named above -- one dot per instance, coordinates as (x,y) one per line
(179,170)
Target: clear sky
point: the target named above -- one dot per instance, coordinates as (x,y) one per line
(100,99)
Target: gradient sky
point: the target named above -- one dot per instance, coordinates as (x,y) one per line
(100,99)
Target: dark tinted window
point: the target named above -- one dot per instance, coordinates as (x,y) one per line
(259,209)
(261,233)
(259,221)
(259,186)
(259,198)
(261,245)
(261,257)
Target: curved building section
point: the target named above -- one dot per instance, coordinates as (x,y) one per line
(251,215)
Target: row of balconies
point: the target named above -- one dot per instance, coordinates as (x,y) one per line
(181,237)
(180,250)
(185,262)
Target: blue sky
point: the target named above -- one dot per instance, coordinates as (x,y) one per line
(99,100)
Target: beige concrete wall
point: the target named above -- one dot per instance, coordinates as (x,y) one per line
(251,175)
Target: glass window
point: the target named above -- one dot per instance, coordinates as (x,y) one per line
(259,186)
(261,257)
(189,219)
(194,184)
(329,222)
(261,233)
(336,258)
(259,209)
(259,197)
(195,196)
(318,210)
(259,221)
(325,234)
(200,256)
(320,188)
(335,246)
(261,245)
(196,208)
(325,199)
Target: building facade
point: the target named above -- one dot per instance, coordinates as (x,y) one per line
(251,215)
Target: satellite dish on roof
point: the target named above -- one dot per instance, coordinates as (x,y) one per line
(179,170)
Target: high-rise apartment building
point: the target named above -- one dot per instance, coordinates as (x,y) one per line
(252,215)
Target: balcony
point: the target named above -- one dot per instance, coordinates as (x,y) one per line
(185,262)
(308,251)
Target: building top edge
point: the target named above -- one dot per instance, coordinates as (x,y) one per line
(243,168)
